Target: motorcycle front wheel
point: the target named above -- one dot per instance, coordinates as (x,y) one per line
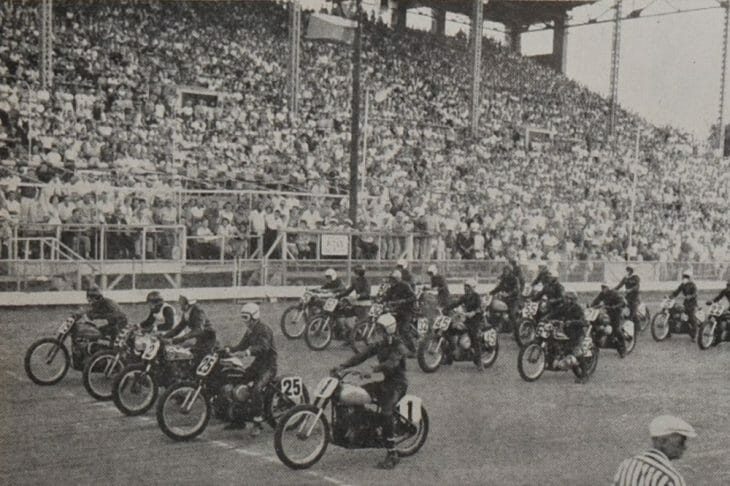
(524,332)
(134,391)
(660,327)
(643,318)
(301,437)
(99,373)
(430,354)
(489,355)
(46,361)
(318,333)
(531,362)
(181,414)
(587,365)
(707,336)
(630,341)
(411,442)
(293,322)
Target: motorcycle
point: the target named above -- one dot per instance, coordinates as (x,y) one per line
(368,332)
(304,432)
(715,329)
(449,341)
(47,360)
(602,332)
(221,388)
(672,319)
(642,317)
(549,351)
(496,311)
(325,326)
(136,387)
(103,366)
(294,319)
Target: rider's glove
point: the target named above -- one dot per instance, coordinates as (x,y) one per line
(246,353)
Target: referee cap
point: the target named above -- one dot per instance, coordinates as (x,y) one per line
(669,424)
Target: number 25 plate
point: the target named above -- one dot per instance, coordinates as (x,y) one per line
(206,365)
(291,386)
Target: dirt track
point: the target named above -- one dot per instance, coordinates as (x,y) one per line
(485,429)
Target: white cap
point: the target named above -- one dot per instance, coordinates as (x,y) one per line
(687,273)
(402,263)
(669,424)
(432,269)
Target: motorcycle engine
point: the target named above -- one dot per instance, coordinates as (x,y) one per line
(358,426)
(241,393)
(464,341)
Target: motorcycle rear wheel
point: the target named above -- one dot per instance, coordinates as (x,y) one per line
(706,336)
(429,354)
(123,390)
(49,351)
(290,432)
(318,333)
(417,439)
(532,353)
(169,410)
(660,327)
(293,322)
(99,373)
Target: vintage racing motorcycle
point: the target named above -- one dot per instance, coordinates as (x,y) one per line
(672,319)
(602,332)
(295,317)
(716,328)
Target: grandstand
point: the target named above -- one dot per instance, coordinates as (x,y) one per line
(165,147)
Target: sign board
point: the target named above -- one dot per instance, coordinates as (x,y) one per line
(335,245)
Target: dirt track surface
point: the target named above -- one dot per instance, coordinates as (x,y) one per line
(490,429)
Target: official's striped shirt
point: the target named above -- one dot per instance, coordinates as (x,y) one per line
(651,468)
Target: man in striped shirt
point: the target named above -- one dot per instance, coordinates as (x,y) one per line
(654,468)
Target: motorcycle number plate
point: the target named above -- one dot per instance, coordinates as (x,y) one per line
(326,387)
(330,305)
(150,351)
(205,366)
(442,323)
(716,310)
(409,407)
(65,326)
(291,386)
(422,325)
(700,315)
(490,337)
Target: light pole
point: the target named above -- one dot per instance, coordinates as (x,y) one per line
(355,108)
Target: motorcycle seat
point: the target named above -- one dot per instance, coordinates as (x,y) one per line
(233,362)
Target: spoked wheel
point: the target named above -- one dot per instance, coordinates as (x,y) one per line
(643,317)
(587,365)
(490,353)
(660,326)
(411,441)
(301,437)
(183,412)
(293,322)
(707,334)
(531,362)
(630,335)
(134,391)
(359,336)
(99,373)
(318,334)
(46,361)
(430,354)
(525,332)
(277,404)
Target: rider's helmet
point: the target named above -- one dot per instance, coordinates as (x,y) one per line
(687,274)
(359,270)
(330,273)
(395,274)
(388,322)
(630,270)
(604,285)
(250,312)
(154,298)
(402,263)
(471,283)
(571,296)
(506,270)
(728,283)
(93,294)
(432,270)
(185,303)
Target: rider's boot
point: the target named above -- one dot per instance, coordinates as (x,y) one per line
(257,426)
(391,460)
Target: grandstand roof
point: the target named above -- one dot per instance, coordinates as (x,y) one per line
(525,12)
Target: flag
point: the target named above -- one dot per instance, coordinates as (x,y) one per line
(331,28)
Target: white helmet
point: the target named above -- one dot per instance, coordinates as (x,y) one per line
(402,263)
(471,282)
(388,322)
(432,269)
(687,273)
(251,309)
(331,273)
(396,274)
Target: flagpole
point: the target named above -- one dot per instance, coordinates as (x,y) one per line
(355,109)
(365,140)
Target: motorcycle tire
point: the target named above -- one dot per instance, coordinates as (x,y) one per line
(421,435)
(359,336)
(293,328)
(523,354)
(285,427)
(92,364)
(707,335)
(322,326)
(587,364)
(122,380)
(643,319)
(489,356)
(176,391)
(660,327)
(424,349)
(58,348)
(524,332)
(273,396)
(631,343)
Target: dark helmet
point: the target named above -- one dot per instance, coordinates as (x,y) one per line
(506,270)
(359,270)
(154,297)
(630,270)
(571,296)
(93,293)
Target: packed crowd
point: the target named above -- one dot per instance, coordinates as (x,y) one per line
(119,116)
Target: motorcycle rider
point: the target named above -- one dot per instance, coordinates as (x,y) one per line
(402,266)
(614,303)
(552,289)
(517,272)
(472,304)
(688,289)
(104,308)
(391,354)
(161,316)
(632,283)
(438,283)
(401,298)
(332,283)
(361,287)
(199,329)
(570,313)
(510,285)
(724,293)
(257,341)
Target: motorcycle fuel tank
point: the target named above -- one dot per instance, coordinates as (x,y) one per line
(354,395)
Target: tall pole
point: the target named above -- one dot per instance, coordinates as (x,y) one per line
(295,27)
(477,24)
(723,81)
(47,43)
(633,188)
(615,64)
(355,121)
(365,123)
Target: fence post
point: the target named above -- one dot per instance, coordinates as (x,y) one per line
(223,248)
(144,243)
(184,245)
